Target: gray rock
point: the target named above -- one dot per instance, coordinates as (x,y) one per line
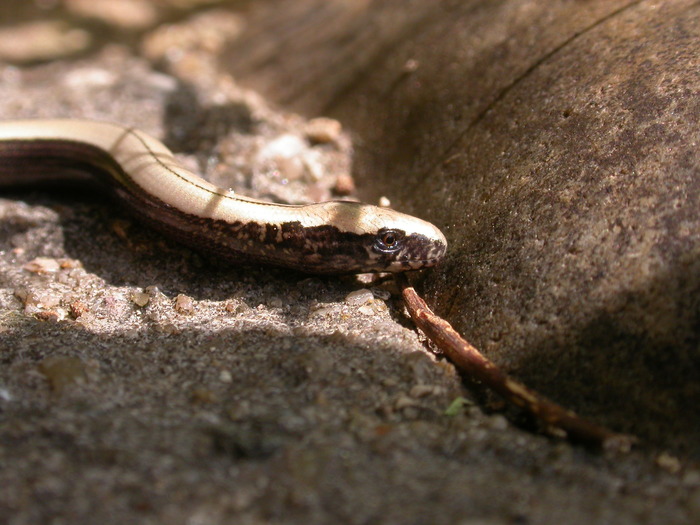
(557,145)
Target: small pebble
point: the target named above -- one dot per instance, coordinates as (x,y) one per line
(668,462)
(129,14)
(184,304)
(208,31)
(359,297)
(344,184)
(42,265)
(49,300)
(169,328)
(323,130)
(48,315)
(140,298)
(498,422)
(290,168)
(404,401)
(89,78)
(422,390)
(121,228)
(321,311)
(41,40)
(203,396)
(285,146)
(77,308)
(69,264)
(367,310)
(30,299)
(237,307)
(411,65)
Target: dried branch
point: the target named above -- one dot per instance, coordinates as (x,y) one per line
(557,420)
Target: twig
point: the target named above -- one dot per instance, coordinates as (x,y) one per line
(557,420)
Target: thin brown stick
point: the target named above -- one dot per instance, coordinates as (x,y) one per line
(557,420)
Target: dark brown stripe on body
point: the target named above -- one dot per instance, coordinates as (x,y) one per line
(28,162)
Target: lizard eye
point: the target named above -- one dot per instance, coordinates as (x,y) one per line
(388,240)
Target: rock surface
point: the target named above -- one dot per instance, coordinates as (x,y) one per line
(557,145)
(141,383)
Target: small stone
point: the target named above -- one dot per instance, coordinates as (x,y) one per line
(366,310)
(89,78)
(290,168)
(121,228)
(42,265)
(366,278)
(49,300)
(225,376)
(208,31)
(384,202)
(411,65)
(41,40)
(184,304)
(237,307)
(69,264)
(77,308)
(359,297)
(323,130)
(668,462)
(320,310)
(423,390)
(404,401)
(498,422)
(389,381)
(202,395)
(129,14)
(34,301)
(48,316)
(344,184)
(169,328)
(140,298)
(285,146)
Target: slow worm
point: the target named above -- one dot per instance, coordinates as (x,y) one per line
(326,238)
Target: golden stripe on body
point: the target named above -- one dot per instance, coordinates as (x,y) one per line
(153,168)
